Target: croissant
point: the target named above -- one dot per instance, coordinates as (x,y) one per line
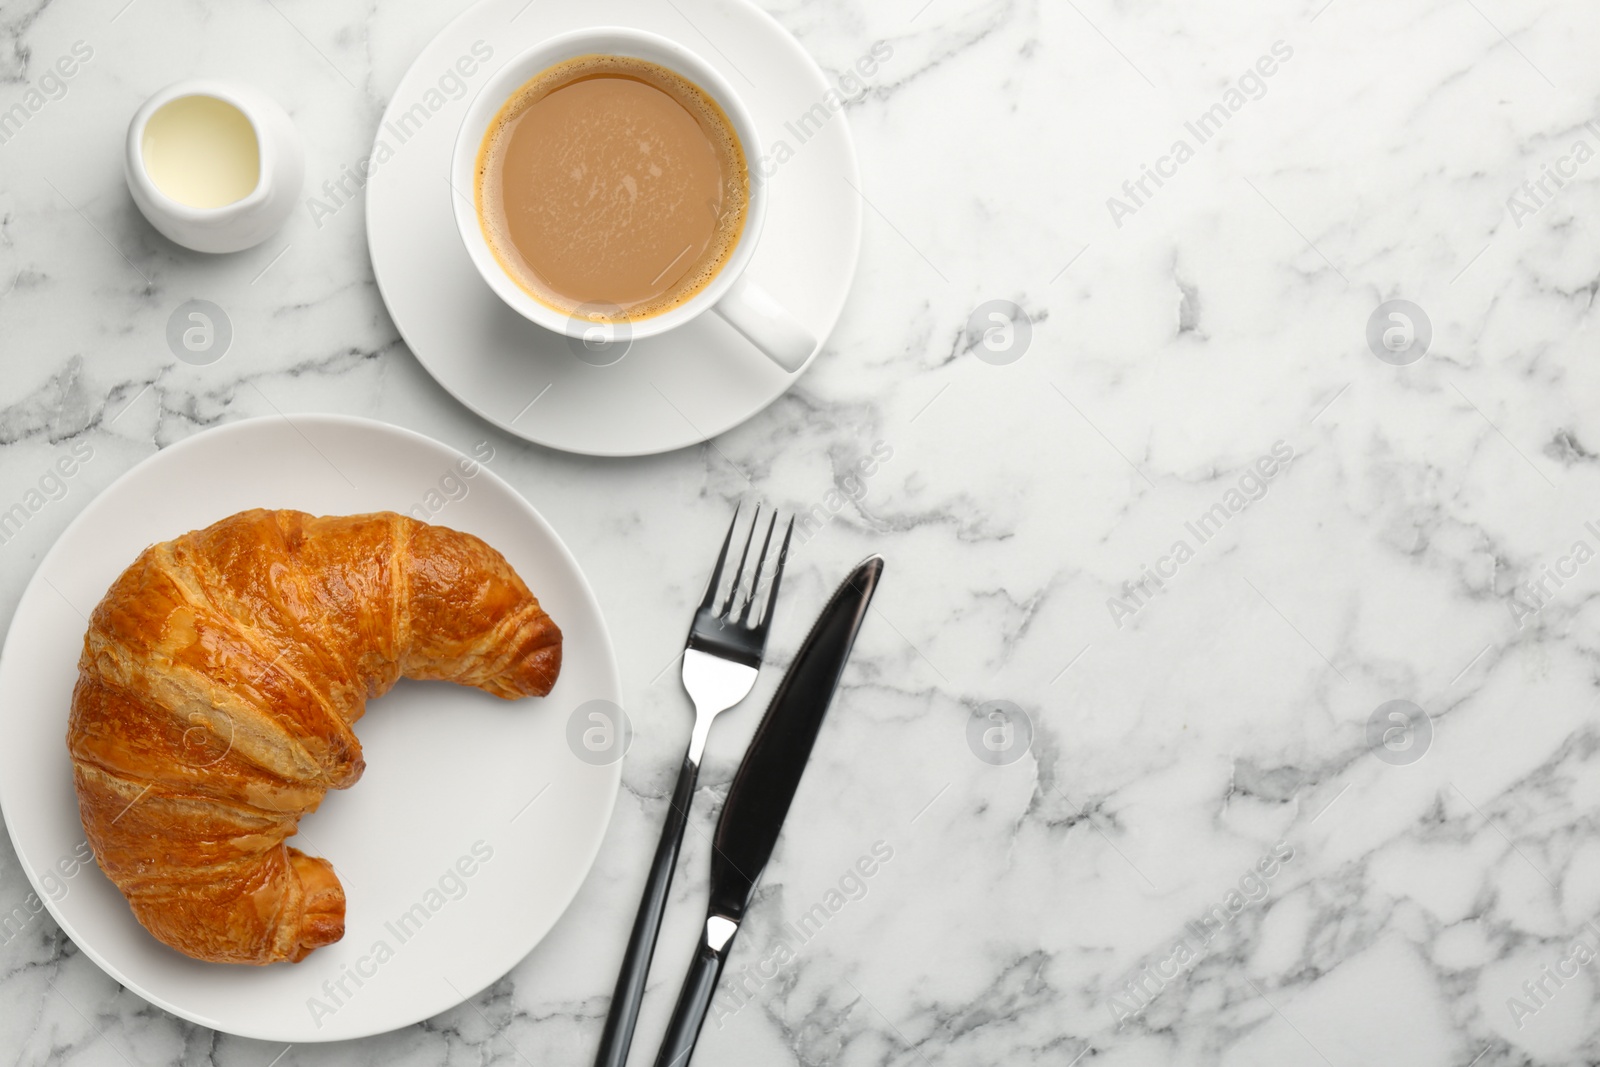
(220,678)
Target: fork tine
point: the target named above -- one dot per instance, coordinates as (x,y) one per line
(755,580)
(716,572)
(733,590)
(777,577)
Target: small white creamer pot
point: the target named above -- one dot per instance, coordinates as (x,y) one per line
(243,223)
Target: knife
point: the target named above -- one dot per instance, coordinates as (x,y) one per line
(760,795)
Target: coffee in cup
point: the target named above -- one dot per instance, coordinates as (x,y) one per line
(644,217)
(611,182)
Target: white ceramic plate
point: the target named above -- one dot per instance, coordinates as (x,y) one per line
(448,768)
(669,391)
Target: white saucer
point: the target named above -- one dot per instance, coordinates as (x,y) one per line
(669,391)
(451,772)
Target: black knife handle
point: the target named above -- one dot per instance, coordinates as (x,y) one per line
(626,998)
(693,1002)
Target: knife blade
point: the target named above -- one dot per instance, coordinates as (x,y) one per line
(762,790)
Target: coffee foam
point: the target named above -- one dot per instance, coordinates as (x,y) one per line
(713,121)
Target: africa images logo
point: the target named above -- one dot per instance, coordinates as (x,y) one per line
(999,332)
(1251,85)
(450,85)
(999,733)
(1252,485)
(453,884)
(1399,332)
(1399,732)
(199,332)
(1186,951)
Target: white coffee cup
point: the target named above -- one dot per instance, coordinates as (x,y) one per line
(746,306)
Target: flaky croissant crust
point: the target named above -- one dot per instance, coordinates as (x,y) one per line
(220,678)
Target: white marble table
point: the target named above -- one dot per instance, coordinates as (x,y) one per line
(1186,736)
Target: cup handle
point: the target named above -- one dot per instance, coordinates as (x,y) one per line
(752,311)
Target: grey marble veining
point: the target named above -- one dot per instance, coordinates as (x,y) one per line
(1103,897)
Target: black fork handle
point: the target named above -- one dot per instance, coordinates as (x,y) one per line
(625,1000)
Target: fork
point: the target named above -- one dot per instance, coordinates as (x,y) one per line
(721,659)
